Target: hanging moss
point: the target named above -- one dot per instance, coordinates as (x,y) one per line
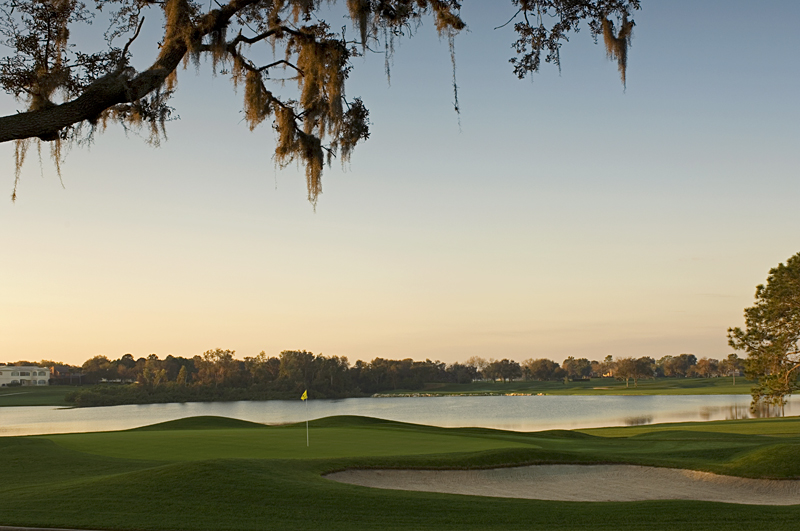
(20,150)
(257,100)
(360,11)
(617,44)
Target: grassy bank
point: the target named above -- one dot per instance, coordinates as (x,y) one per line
(595,386)
(214,474)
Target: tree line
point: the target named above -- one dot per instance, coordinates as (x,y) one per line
(770,338)
(218,375)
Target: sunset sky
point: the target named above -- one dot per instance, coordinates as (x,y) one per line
(566,216)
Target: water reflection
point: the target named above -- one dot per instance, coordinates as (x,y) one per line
(639,421)
(519,413)
(767,411)
(707,412)
(737,412)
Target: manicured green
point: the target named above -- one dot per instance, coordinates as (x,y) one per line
(50,395)
(595,386)
(280,442)
(208,473)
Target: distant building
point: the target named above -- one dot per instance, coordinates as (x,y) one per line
(60,371)
(23,375)
(65,375)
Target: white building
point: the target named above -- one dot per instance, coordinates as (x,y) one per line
(23,375)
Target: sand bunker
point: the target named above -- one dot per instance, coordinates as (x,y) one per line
(583,483)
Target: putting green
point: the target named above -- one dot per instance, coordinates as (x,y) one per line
(253,441)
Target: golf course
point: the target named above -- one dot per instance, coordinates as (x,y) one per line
(209,473)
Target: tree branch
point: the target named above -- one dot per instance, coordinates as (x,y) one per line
(276,63)
(118,86)
(260,37)
(122,59)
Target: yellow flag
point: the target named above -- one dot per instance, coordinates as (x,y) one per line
(305,395)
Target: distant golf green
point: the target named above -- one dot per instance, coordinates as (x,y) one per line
(595,386)
(54,395)
(209,473)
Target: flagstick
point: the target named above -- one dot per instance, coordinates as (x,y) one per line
(306,401)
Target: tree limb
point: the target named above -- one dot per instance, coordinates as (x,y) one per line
(118,86)
(123,59)
(260,37)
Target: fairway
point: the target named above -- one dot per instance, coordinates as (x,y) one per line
(211,473)
(46,395)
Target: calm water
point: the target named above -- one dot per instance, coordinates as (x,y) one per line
(519,413)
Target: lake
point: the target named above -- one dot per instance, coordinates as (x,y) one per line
(518,413)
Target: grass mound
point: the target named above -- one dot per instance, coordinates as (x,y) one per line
(779,461)
(564,434)
(687,435)
(37,461)
(200,423)
(340,421)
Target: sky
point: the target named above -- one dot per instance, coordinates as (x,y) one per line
(558,216)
